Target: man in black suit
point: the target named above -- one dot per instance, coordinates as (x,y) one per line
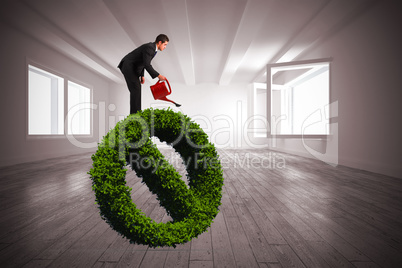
(133,65)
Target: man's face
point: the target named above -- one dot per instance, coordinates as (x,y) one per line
(161,46)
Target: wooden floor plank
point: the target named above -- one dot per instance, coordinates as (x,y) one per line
(378,252)
(201,264)
(286,256)
(270,232)
(98,247)
(154,258)
(75,252)
(133,256)
(61,245)
(177,259)
(201,247)
(242,250)
(221,247)
(115,251)
(260,247)
(330,255)
(299,212)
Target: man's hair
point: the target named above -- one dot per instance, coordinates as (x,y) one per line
(162,37)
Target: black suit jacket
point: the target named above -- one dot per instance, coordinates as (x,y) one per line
(139,60)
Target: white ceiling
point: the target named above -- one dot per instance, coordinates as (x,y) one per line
(211,41)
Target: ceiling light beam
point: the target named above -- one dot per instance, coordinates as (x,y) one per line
(64,43)
(180,30)
(253,17)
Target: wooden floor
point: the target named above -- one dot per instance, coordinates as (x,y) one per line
(278,210)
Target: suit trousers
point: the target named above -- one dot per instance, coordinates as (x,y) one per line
(134,86)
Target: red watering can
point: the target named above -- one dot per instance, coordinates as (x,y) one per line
(160,91)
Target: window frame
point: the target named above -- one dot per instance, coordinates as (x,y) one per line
(75,81)
(257,131)
(66,79)
(269,98)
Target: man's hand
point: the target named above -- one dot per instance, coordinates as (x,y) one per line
(161,77)
(142,80)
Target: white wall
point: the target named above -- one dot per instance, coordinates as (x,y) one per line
(16,49)
(366,82)
(365,86)
(220,110)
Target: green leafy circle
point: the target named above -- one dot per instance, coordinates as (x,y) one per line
(191,207)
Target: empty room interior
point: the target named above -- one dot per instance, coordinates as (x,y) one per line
(298,102)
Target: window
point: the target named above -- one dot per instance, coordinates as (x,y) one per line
(299,98)
(45,102)
(259,122)
(79,113)
(46,105)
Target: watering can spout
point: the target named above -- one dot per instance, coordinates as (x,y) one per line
(160,91)
(166,99)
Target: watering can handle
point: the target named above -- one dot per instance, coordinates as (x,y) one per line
(170,90)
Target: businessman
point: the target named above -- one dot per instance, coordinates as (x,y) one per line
(133,65)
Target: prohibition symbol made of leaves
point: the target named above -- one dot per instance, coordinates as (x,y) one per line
(191,207)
